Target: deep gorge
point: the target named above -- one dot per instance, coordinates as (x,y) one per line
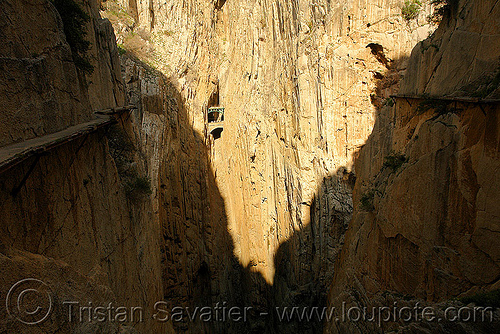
(356,164)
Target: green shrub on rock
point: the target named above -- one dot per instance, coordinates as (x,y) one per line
(411,9)
(395,160)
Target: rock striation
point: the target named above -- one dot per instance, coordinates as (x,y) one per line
(323,189)
(423,229)
(262,209)
(67,219)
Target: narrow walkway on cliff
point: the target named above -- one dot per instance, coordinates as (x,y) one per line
(464,99)
(444,104)
(13,154)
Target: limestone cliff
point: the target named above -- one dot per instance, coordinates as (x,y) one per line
(425,225)
(41,90)
(66,217)
(260,215)
(264,207)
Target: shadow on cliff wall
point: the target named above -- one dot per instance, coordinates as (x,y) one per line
(392,256)
(199,265)
(198,262)
(308,261)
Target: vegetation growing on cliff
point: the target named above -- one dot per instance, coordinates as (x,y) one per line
(389,102)
(442,8)
(74,20)
(123,152)
(395,160)
(367,201)
(138,186)
(411,9)
(121,49)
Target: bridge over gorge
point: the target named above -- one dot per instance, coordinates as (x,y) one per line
(215,119)
(14,154)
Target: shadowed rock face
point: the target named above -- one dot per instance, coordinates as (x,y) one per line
(431,231)
(258,217)
(69,222)
(40,88)
(295,80)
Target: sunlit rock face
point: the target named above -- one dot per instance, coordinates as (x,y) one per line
(262,209)
(429,233)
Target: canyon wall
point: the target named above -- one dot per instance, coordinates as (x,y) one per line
(67,219)
(425,223)
(262,209)
(160,209)
(40,85)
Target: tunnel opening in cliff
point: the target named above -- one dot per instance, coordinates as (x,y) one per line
(378,51)
(217,132)
(199,263)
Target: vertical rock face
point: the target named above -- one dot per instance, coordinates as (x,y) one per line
(186,204)
(40,90)
(424,223)
(66,219)
(257,216)
(105,84)
(461,58)
(263,208)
